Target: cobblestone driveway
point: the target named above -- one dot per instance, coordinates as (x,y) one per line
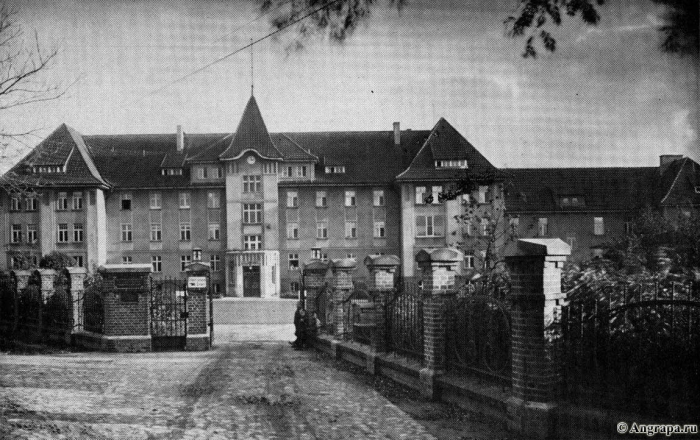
(239,390)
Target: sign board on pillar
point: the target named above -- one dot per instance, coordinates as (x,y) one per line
(196,282)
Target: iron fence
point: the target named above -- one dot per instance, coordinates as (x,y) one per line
(169,313)
(404,319)
(478,332)
(357,309)
(632,347)
(93,309)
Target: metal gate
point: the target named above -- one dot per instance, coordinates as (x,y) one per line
(168,314)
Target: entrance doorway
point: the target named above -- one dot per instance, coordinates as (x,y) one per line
(251,281)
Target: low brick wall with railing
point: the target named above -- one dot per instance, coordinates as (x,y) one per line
(517,353)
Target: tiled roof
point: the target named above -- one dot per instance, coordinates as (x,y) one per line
(174,160)
(251,134)
(63,146)
(445,143)
(369,157)
(291,150)
(681,183)
(541,189)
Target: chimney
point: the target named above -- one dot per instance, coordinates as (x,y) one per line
(180,138)
(667,159)
(397,134)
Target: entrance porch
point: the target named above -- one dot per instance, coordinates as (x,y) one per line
(253,274)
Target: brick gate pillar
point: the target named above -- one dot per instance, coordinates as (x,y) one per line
(438,269)
(127,319)
(76,278)
(535,270)
(47,279)
(382,269)
(313,275)
(22,281)
(342,285)
(199,335)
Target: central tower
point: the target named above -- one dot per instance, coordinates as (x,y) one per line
(252,164)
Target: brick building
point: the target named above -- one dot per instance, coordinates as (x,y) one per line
(259,205)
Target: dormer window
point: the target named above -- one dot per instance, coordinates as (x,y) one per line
(337,169)
(571,201)
(171,171)
(460,163)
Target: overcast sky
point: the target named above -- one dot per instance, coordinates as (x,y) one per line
(606,97)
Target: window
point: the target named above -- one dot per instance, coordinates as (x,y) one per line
(157,263)
(484,226)
(338,169)
(126,201)
(126,231)
(269,168)
(321,199)
(214,231)
(252,242)
(155,200)
(379,229)
(252,213)
(184,200)
(571,239)
(294,286)
(31,234)
(251,184)
(16,234)
(468,228)
(301,171)
(156,232)
(378,197)
(293,261)
(215,262)
(185,260)
(77,201)
(420,195)
(32,204)
(514,223)
(350,229)
(461,163)
(201,172)
(322,229)
(213,200)
(78,259)
(292,199)
(469,261)
(483,189)
(350,256)
(318,255)
(542,229)
(430,226)
(15,204)
(435,194)
(350,198)
(127,260)
(62,202)
(78,232)
(628,227)
(293,231)
(217,288)
(63,232)
(185,232)
(598,226)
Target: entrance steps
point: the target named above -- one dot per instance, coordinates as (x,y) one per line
(254,311)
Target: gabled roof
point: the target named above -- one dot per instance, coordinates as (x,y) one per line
(251,135)
(681,183)
(620,189)
(64,147)
(445,143)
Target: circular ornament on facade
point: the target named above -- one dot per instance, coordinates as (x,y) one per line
(251,160)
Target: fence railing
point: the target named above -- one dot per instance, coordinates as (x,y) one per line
(404,319)
(357,308)
(478,332)
(633,347)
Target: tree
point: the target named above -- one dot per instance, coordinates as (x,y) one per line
(338,19)
(56,260)
(22,60)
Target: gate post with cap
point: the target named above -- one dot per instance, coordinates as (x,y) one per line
(199,335)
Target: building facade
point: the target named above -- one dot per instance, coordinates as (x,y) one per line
(258,205)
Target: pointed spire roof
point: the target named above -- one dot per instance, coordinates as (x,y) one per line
(251,135)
